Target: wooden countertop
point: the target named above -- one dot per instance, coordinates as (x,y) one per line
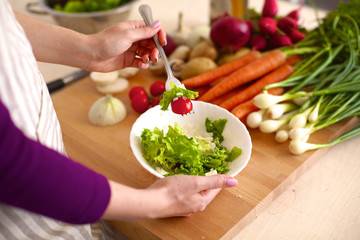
(323,203)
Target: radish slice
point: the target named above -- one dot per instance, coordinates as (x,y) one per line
(118,85)
(102,78)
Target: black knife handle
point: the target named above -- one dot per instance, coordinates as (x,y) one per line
(55,85)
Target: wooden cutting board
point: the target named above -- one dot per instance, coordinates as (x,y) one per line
(270,171)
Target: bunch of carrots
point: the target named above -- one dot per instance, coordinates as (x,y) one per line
(234,85)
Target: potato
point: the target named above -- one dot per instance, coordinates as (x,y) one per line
(197,66)
(204,49)
(232,56)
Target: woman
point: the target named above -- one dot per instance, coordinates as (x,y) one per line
(43,193)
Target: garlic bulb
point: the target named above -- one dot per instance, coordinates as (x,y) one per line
(107,111)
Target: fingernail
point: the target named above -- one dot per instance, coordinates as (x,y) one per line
(147,60)
(144,65)
(165,42)
(155,24)
(231,182)
(157,58)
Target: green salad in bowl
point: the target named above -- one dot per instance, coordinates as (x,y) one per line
(209,140)
(84,6)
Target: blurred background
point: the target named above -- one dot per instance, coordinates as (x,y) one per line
(195,13)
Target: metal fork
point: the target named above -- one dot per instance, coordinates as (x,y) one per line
(146,14)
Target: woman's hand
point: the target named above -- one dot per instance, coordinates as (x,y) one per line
(181,195)
(174,196)
(126,44)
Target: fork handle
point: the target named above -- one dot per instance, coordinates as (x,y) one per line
(146,14)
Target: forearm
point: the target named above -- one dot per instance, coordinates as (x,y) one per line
(55,44)
(130,204)
(41,180)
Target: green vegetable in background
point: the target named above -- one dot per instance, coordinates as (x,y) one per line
(81,6)
(178,154)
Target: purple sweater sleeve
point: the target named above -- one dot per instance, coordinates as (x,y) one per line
(41,180)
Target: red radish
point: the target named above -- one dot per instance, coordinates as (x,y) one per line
(157,88)
(230,33)
(170,45)
(296,35)
(287,24)
(140,103)
(136,91)
(156,101)
(267,25)
(279,40)
(296,13)
(270,8)
(181,106)
(258,42)
(250,25)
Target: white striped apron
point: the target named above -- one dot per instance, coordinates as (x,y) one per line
(24,93)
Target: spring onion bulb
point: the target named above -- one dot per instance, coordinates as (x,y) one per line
(265,100)
(314,115)
(299,146)
(276,111)
(270,125)
(300,119)
(282,135)
(300,133)
(300,100)
(254,119)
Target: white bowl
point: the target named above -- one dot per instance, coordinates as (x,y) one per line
(235,133)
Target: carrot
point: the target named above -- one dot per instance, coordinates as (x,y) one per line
(258,68)
(213,83)
(245,108)
(293,59)
(226,69)
(201,90)
(222,98)
(277,75)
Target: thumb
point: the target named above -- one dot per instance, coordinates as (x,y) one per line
(217,181)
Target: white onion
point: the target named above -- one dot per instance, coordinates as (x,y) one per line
(107,111)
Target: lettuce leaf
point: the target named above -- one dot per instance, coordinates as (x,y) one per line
(176,153)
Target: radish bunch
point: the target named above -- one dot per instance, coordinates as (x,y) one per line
(273,31)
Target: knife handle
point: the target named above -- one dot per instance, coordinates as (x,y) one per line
(55,85)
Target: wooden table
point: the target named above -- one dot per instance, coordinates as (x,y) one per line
(321,203)
(271,170)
